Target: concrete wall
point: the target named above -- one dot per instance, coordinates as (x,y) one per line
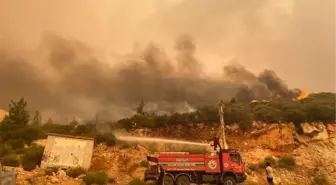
(67,151)
(7,178)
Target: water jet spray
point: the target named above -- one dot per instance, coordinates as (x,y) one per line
(155,140)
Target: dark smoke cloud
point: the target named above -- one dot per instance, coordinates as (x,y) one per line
(83,85)
(267,85)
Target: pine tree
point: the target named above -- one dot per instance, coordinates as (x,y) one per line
(17,114)
(140,109)
(37,119)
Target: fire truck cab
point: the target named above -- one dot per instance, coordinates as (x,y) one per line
(181,168)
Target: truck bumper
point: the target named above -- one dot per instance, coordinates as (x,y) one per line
(150,178)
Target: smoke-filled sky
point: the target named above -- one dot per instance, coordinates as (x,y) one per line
(79,57)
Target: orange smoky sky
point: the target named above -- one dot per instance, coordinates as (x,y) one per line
(296,39)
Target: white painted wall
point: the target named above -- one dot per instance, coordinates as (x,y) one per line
(67,151)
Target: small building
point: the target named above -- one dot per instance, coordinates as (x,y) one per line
(66,151)
(7,178)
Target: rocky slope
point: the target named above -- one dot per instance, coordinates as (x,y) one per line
(313,150)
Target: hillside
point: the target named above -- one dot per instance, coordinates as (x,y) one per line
(298,137)
(313,154)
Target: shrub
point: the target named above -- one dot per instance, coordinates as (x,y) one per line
(126,146)
(136,182)
(109,139)
(99,178)
(263,163)
(253,166)
(32,133)
(75,172)
(111,180)
(5,150)
(32,157)
(16,143)
(29,165)
(144,163)
(131,169)
(320,180)
(10,160)
(287,162)
(87,129)
(49,171)
(152,148)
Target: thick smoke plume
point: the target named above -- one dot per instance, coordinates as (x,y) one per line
(75,58)
(81,84)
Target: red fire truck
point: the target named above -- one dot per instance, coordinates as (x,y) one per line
(181,168)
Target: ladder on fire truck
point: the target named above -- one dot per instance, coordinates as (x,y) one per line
(222,123)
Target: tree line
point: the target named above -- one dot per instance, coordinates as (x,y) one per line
(20,128)
(319,107)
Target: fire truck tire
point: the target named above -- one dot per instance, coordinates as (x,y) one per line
(229,180)
(168,180)
(183,180)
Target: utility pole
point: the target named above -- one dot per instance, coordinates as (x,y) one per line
(222,124)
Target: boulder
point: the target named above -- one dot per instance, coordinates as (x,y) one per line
(316,131)
(331,128)
(232,128)
(62,175)
(200,126)
(53,179)
(308,128)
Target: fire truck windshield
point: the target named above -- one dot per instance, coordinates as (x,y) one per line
(235,158)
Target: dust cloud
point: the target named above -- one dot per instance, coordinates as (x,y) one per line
(100,59)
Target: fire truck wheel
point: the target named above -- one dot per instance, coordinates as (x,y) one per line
(168,180)
(229,180)
(183,180)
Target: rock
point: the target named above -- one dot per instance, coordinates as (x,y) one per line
(321,135)
(81,176)
(308,128)
(41,142)
(331,127)
(53,179)
(140,132)
(316,131)
(200,126)
(179,127)
(300,139)
(139,173)
(232,128)
(62,175)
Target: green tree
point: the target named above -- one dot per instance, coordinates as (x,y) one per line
(15,125)
(267,114)
(17,114)
(140,109)
(238,113)
(37,119)
(233,101)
